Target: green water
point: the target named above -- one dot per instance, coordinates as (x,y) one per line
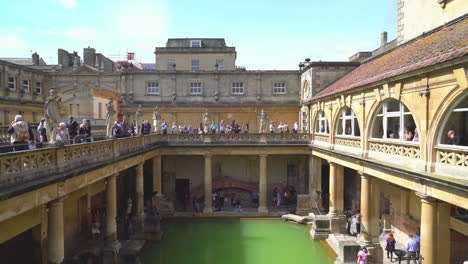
(240,241)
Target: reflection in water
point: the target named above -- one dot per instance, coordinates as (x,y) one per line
(243,241)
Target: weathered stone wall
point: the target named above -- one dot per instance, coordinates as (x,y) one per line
(207,61)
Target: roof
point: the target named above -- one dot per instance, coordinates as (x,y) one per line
(444,43)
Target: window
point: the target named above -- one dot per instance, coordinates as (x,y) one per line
(26,86)
(455,129)
(195,65)
(220,65)
(170,65)
(195,88)
(395,122)
(38,87)
(238,88)
(195,43)
(12,83)
(153,88)
(279,88)
(347,124)
(321,124)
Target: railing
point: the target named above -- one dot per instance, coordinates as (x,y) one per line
(23,166)
(453,155)
(348,141)
(410,150)
(322,138)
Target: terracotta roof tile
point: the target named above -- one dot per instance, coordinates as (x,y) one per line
(447,43)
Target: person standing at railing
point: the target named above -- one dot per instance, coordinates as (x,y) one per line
(213,127)
(174,128)
(286,128)
(295,127)
(20,133)
(272,127)
(181,128)
(62,134)
(146,127)
(164,127)
(222,127)
(246,130)
(42,131)
(280,128)
(72,127)
(85,131)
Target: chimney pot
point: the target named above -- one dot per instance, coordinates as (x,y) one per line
(383,40)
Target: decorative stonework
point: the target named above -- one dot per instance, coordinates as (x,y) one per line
(349,142)
(451,157)
(323,138)
(398,149)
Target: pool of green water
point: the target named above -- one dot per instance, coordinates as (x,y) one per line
(239,241)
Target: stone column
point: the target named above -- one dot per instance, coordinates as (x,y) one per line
(208,210)
(157,175)
(443,232)
(139,190)
(111,209)
(365,207)
(337,218)
(315,177)
(428,229)
(375,211)
(55,242)
(333,210)
(263,186)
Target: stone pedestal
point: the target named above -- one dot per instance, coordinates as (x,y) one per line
(375,253)
(139,225)
(110,254)
(345,248)
(320,227)
(152,228)
(387,224)
(337,224)
(303,204)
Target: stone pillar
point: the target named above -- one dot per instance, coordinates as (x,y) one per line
(337,219)
(55,242)
(157,175)
(428,229)
(315,178)
(263,186)
(139,190)
(333,190)
(208,210)
(365,207)
(111,209)
(375,211)
(443,232)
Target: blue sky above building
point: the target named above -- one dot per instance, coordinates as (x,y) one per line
(267,34)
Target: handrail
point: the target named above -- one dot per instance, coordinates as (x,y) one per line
(23,166)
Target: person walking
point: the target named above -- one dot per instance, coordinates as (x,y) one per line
(348,214)
(358,222)
(42,131)
(362,256)
(20,132)
(295,127)
(390,247)
(411,248)
(72,127)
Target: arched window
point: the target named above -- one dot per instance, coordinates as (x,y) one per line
(347,124)
(394,121)
(321,124)
(455,128)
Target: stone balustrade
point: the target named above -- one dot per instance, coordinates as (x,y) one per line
(24,166)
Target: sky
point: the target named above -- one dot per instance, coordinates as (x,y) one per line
(268,35)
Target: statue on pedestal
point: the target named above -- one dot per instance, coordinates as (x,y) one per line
(263,122)
(206,121)
(157,120)
(110,112)
(52,114)
(138,120)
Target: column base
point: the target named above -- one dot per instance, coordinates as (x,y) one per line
(337,224)
(139,225)
(208,212)
(320,227)
(110,253)
(263,211)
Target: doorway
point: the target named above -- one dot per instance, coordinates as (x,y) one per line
(182,188)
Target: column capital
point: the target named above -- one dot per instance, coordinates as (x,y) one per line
(207,155)
(263,155)
(426,198)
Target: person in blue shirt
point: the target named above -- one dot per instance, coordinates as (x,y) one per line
(418,240)
(412,248)
(164,127)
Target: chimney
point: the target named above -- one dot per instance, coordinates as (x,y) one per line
(89,56)
(35,58)
(383,39)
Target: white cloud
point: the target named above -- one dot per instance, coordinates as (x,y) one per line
(68,4)
(9,40)
(87,35)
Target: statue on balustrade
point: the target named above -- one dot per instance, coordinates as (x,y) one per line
(157,120)
(138,120)
(263,122)
(52,114)
(109,117)
(206,121)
